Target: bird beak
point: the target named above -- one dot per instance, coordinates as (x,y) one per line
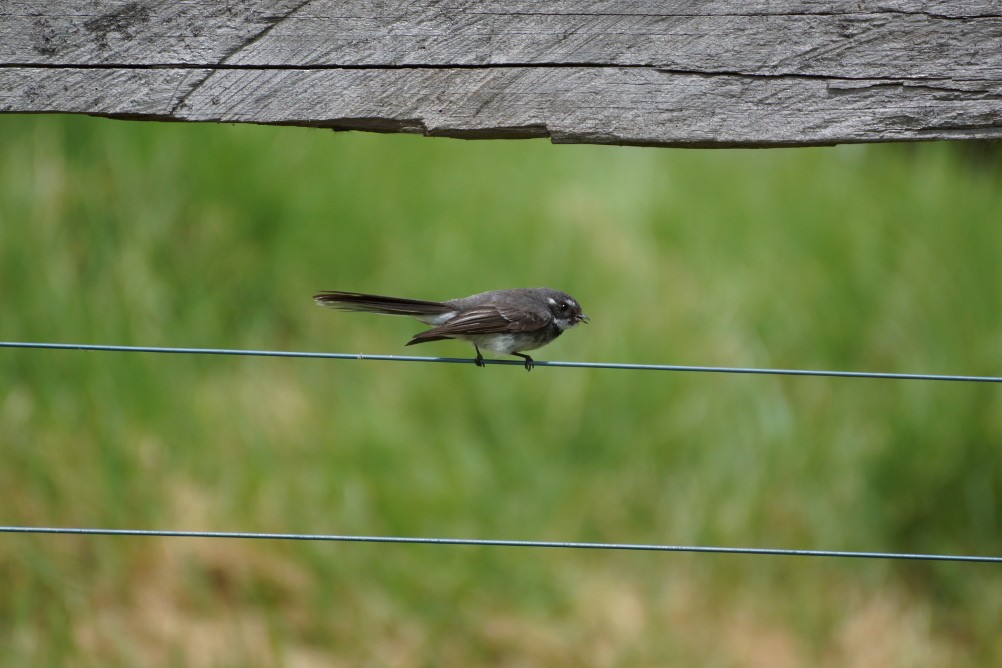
(583,318)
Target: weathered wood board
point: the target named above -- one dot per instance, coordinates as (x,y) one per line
(683,73)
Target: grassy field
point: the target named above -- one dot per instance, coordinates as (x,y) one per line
(882,258)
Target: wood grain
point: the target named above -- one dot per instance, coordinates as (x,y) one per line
(685,73)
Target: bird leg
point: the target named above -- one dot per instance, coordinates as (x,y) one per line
(479,359)
(529,362)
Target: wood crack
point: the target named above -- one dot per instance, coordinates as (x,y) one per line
(749,15)
(491,66)
(274,21)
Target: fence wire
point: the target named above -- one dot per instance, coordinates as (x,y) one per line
(469,360)
(501,542)
(638,547)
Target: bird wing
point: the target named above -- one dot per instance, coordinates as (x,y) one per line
(488,319)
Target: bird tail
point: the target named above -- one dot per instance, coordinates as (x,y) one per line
(357,301)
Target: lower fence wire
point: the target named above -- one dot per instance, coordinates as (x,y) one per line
(639,547)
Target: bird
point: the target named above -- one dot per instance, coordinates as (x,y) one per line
(506,322)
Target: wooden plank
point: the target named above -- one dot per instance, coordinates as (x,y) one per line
(713,73)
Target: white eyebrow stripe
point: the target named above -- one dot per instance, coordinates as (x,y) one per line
(551,300)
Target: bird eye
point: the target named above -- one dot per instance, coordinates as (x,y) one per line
(564,306)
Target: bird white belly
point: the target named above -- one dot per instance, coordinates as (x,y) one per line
(504,344)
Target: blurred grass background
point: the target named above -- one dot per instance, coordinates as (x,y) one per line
(861,258)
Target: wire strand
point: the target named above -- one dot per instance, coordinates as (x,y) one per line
(496,542)
(760,551)
(469,360)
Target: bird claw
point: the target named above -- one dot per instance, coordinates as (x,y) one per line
(529,362)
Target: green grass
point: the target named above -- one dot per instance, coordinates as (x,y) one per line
(862,258)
